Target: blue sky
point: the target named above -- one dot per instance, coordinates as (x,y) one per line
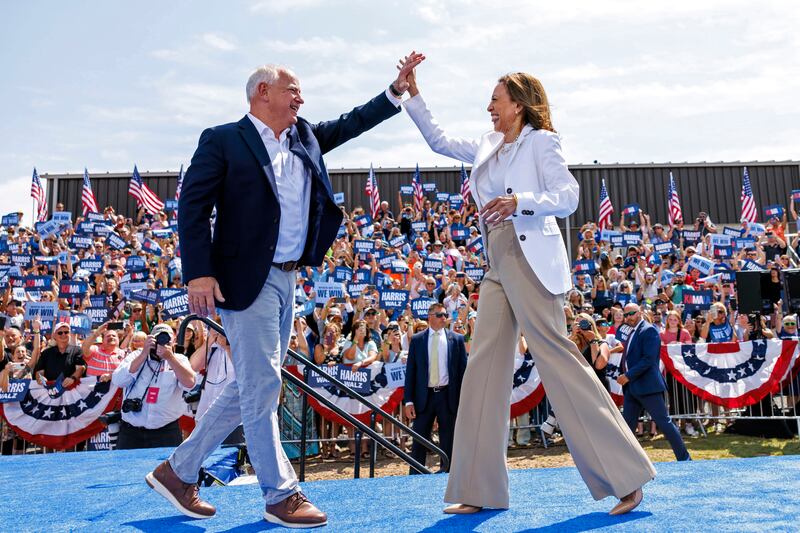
(109,84)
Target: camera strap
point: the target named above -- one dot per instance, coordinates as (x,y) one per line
(154,375)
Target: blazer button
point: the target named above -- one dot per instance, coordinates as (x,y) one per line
(522,237)
(508,191)
(271,247)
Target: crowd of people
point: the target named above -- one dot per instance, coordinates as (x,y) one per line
(429,254)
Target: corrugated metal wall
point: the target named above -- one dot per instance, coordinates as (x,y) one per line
(711,187)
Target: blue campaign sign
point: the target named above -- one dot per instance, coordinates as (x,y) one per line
(355,288)
(101,230)
(363,246)
(458,232)
(456,202)
(72,289)
(742,243)
(363,220)
(22,260)
(631,238)
(666,277)
(342,273)
(47,229)
(11,219)
(419,226)
(141,275)
(85,228)
(697,300)
(756,229)
(304,309)
(382,280)
(442,196)
(723,252)
(95,266)
(81,241)
(96,217)
(726,274)
(393,299)
(166,293)
(37,283)
(476,245)
(623,333)
(624,299)
(663,248)
(586,266)
(691,236)
(750,265)
(385,261)
(130,287)
(149,296)
(362,275)
(773,211)
(17,389)
(720,240)
(46,311)
(703,264)
(476,273)
(617,241)
(731,232)
(338,198)
(420,306)
(170,206)
(367,231)
(80,323)
(65,257)
(176,305)
(98,315)
(606,235)
(342,232)
(63,217)
(406,190)
(151,246)
(399,266)
(115,241)
(163,233)
(429,187)
(397,242)
(432,266)
(135,264)
(49,261)
(630,209)
(358,380)
(325,290)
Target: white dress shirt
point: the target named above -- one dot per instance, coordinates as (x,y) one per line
(169,405)
(441,338)
(493,184)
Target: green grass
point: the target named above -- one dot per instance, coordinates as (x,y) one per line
(723,446)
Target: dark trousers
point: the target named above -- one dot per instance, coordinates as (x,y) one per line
(132,437)
(655,405)
(437,409)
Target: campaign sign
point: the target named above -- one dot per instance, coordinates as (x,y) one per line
(37,283)
(101,230)
(17,389)
(720,240)
(663,248)
(368,231)
(98,315)
(151,246)
(623,333)
(476,245)
(406,190)
(175,265)
(697,300)
(382,280)
(342,273)
(50,262)
(476,273)
(773,211)
(429,187)
(170,206)
(326,290)
(731,232)
(796,194)
(63,217)
(701,263)
(46,311)
(607,234)
(176,305)
(395,374)
(338,197)
(666,277)
(385,261)
(81,242)
(756,229)
(99,442)
(363,220)
(397,242)
(341,232)
(94,266)
(149,296)
(72,289)
(163,294)
(630,209)
(586,266)
(358,380)
(625,299)
(304,309)
(393,299)
(419,307)
(726,274)
(115,241)
(752,266)
(163,233)
(399,266)
(459,232)
(617,241)
(85,228)
(11,219)
(135,276)
(363,246)
(631,238)
(723,252)
(362,275)
(432,266)
(743,243)
(419,226)
(80,323)
(96,217)
(129,287)
(22,260)
(135,264)
(691,236)
(442,196)
(356,288)
(48,229)
(456,202)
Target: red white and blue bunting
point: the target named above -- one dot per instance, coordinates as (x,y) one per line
(527,391)
(612,373)
(731,374)
(63,421)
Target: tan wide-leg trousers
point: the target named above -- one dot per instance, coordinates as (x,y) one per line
(607,455)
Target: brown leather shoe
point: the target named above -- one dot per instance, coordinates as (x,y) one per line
(295,511)
(184,496)
(628,503)
(461,508)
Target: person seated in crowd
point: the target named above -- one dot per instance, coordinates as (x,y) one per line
(62,360)
(153,380)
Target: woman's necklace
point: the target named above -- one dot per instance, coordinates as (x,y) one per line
(507,147)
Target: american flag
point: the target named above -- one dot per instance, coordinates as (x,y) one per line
(749,210)
(673,203)
(144,196)
(37,193)
(419,194)
(178,190)
(87,197)
(464,185)
(606,209)
(372,191)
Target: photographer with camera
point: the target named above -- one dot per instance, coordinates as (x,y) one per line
(153,380)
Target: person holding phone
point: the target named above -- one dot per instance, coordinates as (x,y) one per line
(103,358)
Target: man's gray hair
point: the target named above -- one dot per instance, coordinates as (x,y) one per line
(268,74)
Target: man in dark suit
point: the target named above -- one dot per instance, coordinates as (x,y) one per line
(275,211)
(642,383)
(435,367)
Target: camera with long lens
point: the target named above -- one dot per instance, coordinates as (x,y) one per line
(162,339)
(132,405)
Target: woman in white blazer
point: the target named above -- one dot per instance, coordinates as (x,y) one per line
(521,183)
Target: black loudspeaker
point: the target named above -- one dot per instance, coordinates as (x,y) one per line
(791,289)
(748,290)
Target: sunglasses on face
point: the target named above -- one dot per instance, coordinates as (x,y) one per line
(790,324)
(629,313)
(440,314)
(62,332)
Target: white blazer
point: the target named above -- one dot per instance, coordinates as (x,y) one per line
(537,174)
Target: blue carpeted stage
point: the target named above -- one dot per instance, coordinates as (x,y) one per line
(105,491)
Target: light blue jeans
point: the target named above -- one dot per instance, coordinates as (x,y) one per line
(259,338)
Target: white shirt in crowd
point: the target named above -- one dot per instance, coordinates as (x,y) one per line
(219,372)
(440,337)
(160,407)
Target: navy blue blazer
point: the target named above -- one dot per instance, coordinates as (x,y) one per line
(641,358)
(232,170)
(416,385)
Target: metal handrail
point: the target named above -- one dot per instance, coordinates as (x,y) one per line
(361,428)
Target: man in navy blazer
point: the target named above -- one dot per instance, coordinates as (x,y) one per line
(433,385)
(643,385)
(275,211)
